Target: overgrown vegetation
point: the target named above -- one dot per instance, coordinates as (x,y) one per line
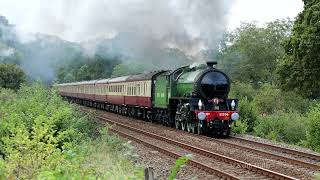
(11,76)
(275,73)
(283,116)
(43,137)
(180,162)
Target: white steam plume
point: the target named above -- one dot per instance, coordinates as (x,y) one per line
(190,25)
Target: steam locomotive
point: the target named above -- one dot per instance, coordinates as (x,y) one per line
(190,98)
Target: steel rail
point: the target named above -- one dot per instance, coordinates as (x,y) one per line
(204,152)
(283,149)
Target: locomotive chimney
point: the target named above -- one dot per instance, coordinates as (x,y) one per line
(212,64)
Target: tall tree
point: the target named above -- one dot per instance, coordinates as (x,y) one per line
(251,52)
(299,70)
(11,76)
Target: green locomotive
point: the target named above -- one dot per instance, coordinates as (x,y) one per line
(195,99)
(191,98)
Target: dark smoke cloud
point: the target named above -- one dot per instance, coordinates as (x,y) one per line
(189,25)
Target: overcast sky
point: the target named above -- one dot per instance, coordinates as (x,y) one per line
(263,10)
(23,12)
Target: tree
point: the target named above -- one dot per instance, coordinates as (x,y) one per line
(129,69)
(84,73)
(251,52)
(83,68)
(300,67)
(11,76)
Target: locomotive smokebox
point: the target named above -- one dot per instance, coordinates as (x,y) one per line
(213,83)
(212,64)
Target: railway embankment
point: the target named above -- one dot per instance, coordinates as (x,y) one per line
(44,137)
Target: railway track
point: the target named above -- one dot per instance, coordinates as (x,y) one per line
(262,154)
(197,164)
(256,172)
(309,161)
(293,152)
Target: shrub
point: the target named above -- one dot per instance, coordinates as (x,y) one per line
(180,162)
(283,127)
(245,93)
(270,99)
(242,90)
(11,76)
(103,158)
(313,128)
(42,136)
(240,127)
(248,113)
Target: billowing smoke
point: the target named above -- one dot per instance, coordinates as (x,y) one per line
(165,33)
(185,24)
(6,52)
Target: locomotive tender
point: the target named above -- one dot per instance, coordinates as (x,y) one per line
(193,99)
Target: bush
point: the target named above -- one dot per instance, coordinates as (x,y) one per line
(245,93)
(313,128)
(180,162)
(105,157)
(11,76)
(283,127)
(272,113)
(242,90)
(270,99)
(240,127)
(43,136)
(248,114)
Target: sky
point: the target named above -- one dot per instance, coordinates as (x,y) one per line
(263,11)
(35,15)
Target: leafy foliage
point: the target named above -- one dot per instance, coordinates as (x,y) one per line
(11,76)
(86,68)
(264,101)
(129,68)
(245,93)
(300,68)
(313,128)
(250,52)
(180,162)
(42,136)
(284,127)
(271,99)
(240,127)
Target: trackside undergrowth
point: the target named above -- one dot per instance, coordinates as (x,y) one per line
(44,137)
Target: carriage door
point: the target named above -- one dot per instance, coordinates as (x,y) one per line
(161,92)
